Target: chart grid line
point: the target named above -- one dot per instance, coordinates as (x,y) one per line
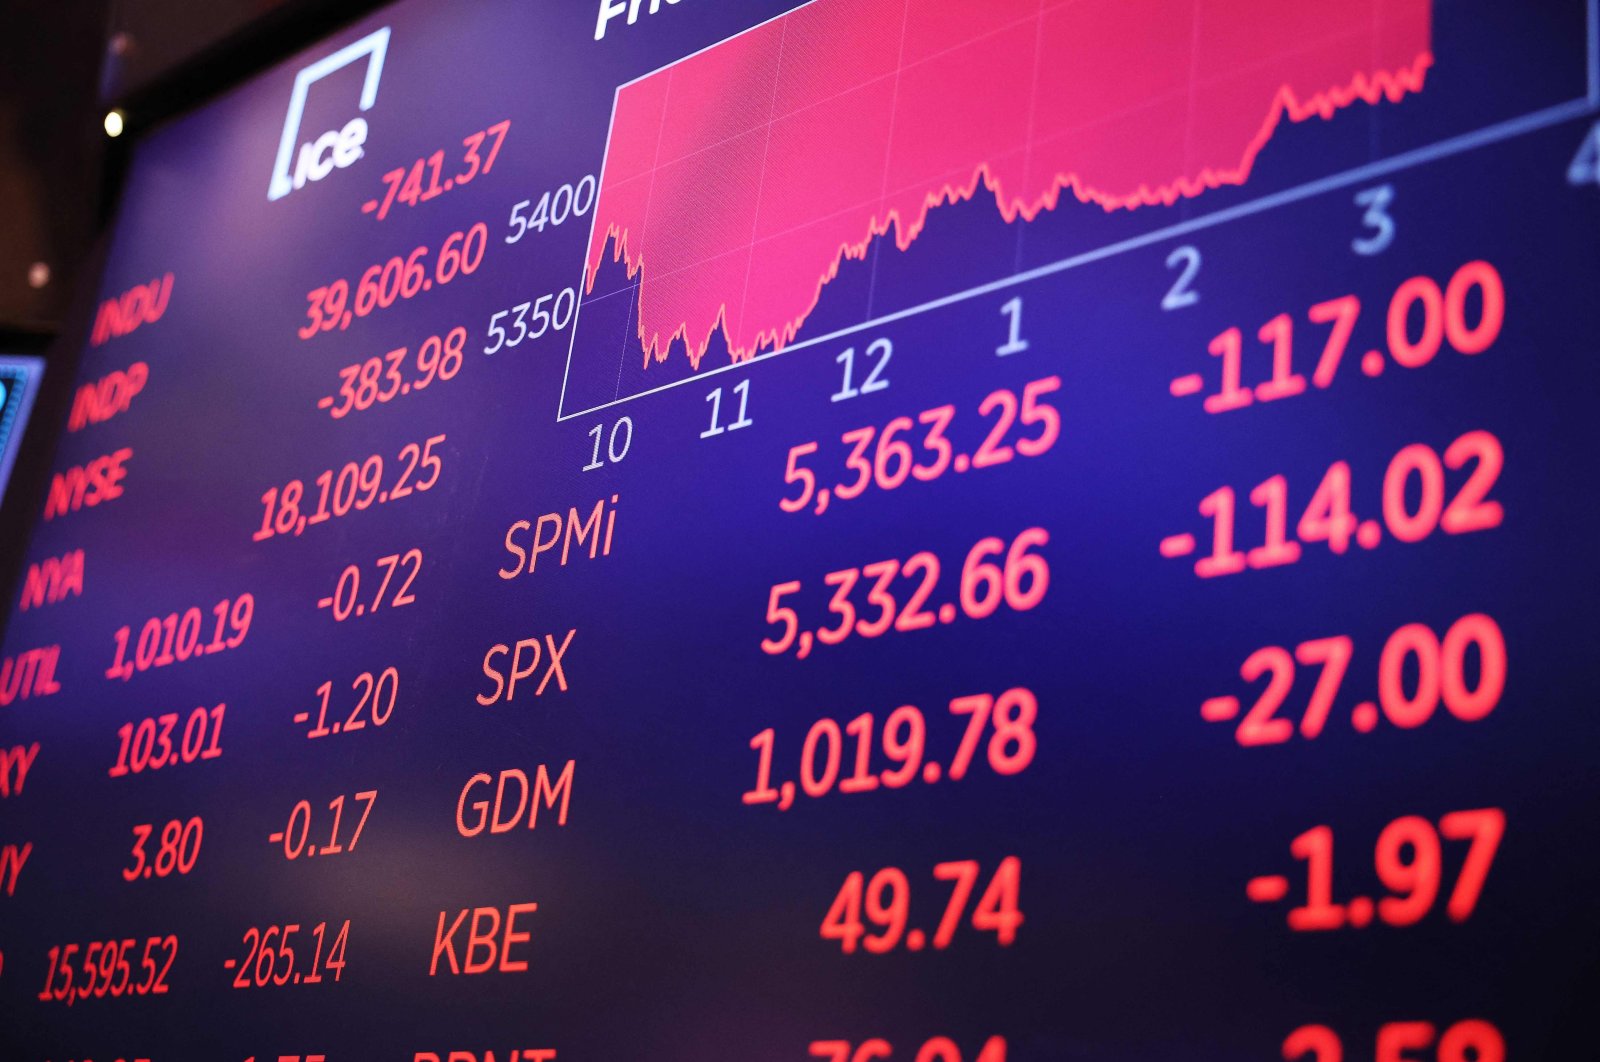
(1471,141)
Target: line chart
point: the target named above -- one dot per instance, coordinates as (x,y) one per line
(714,239)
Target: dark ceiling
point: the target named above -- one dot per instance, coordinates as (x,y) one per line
(63,64)
(51,152)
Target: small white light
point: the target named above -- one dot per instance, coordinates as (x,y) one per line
(38,275)
(113,123)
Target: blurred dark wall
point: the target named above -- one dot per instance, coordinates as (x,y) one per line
(63,64)
(51,153)
(151,38)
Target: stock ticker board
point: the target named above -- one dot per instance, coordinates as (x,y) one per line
(927,532)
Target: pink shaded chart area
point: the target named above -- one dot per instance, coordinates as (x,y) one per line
(738,181)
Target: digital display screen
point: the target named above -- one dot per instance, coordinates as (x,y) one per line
(19,382)
(864,530)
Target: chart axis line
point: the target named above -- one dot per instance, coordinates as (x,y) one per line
(1511,128)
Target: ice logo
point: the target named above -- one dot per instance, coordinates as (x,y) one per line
(337,147)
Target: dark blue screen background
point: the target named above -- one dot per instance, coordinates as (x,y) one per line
(674,922)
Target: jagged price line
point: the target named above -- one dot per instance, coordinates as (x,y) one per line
(738,180)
